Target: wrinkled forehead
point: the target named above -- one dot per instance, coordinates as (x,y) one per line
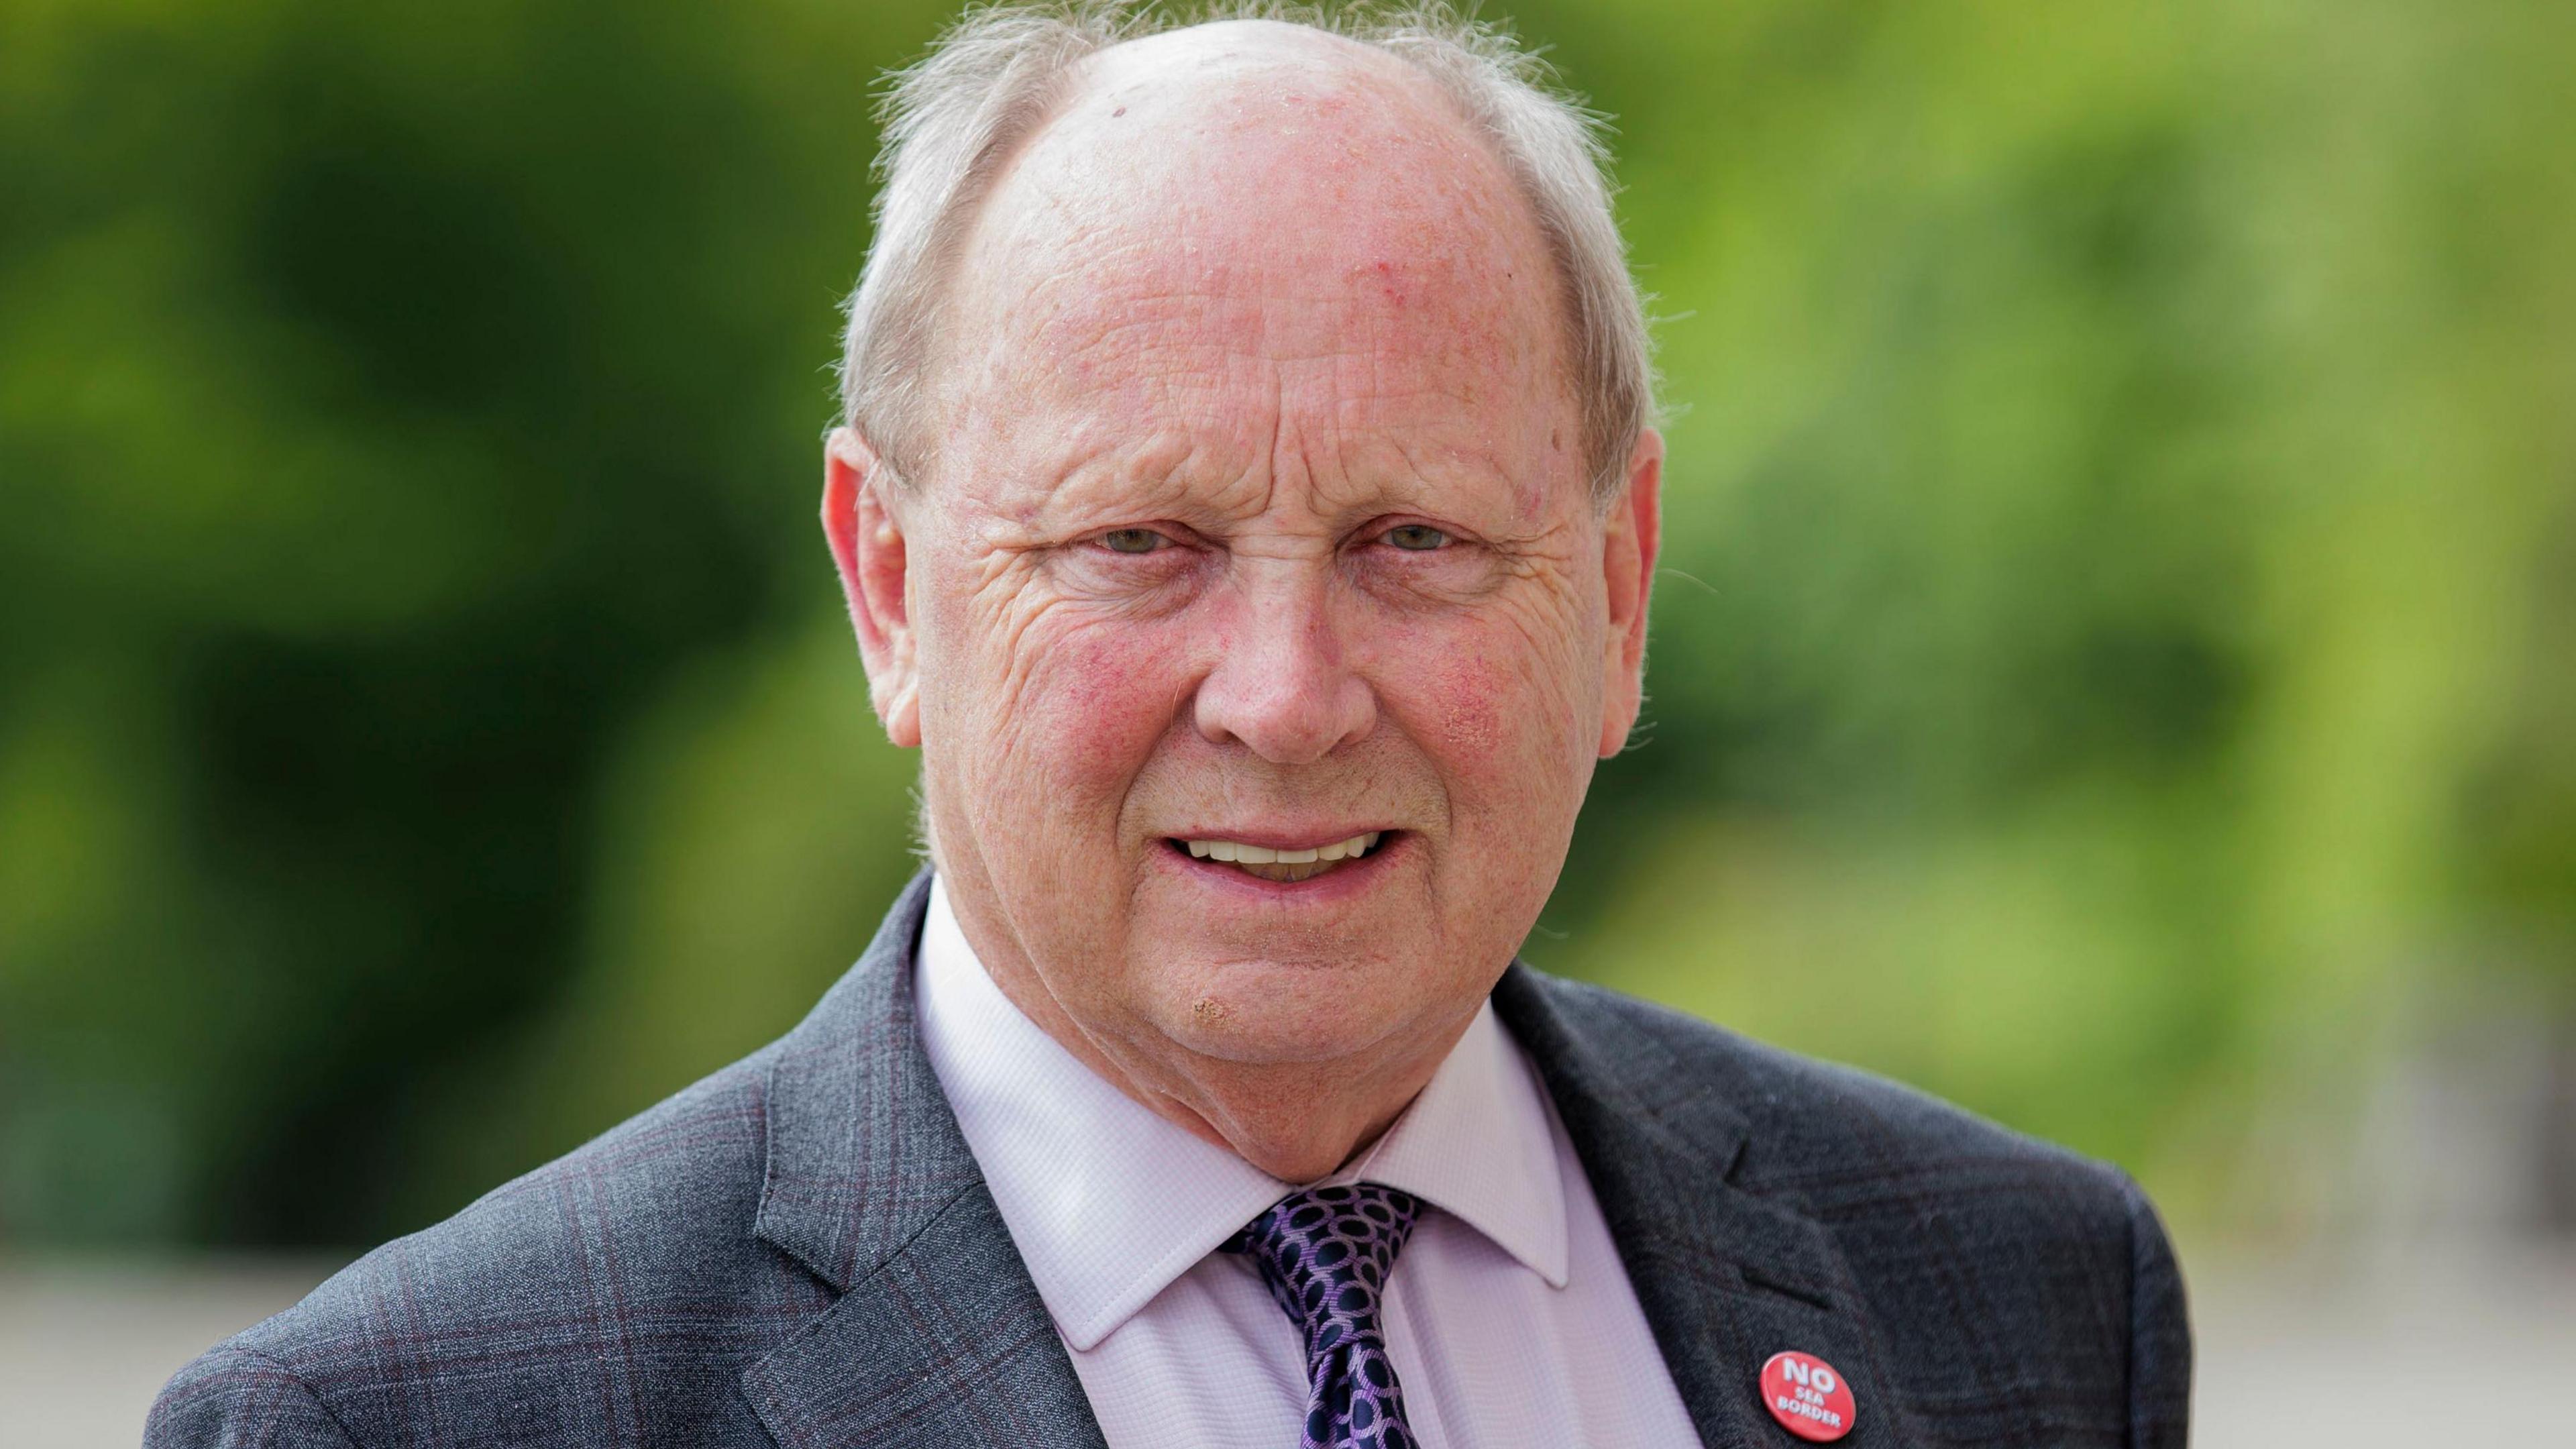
(1257,189)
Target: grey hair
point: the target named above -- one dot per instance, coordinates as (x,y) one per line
(954,119)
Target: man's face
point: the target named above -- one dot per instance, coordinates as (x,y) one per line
(1256,521)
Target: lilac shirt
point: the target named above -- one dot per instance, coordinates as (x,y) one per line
(1508,1316)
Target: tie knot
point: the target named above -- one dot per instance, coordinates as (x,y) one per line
(1325,1253)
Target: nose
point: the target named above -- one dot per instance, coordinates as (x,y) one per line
(1281,684)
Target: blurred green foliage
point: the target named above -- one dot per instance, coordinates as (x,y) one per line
(2113,667)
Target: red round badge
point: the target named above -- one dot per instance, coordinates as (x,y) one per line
(1809,1399)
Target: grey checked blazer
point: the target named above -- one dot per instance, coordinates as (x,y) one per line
(799,1250)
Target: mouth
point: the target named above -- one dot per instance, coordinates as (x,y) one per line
(1274,863)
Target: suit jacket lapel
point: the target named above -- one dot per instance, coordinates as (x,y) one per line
(1726,1278)
(938,1337)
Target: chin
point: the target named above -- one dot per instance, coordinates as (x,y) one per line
(1273,1010)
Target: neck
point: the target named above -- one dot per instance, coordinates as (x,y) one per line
(1297,1121)
(1288,1121)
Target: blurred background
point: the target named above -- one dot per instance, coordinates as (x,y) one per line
(2116,665)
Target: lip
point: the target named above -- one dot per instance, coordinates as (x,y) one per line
(1353,878)
(1282,839)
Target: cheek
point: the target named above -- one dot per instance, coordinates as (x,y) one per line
(1510,683)
(1113,690)
(1088,697)
(1495,725)
(1092,673)
(1503,715)
(1470,710)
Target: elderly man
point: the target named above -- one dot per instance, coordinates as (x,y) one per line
(1246,502)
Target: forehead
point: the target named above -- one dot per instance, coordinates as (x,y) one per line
(1238,207)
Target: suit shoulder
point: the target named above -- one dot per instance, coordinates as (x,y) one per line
(1989,1257)
(2016,1260)
(637,1242)
(1823,1131)
(234,1396)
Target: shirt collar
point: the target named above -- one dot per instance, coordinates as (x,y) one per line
(1109,1203)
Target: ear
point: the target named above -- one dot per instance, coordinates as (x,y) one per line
(868,548)
(1630,535)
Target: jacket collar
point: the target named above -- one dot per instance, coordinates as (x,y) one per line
(1726,1277)
(938,1336)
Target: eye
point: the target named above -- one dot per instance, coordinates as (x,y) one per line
(1415,537)
(1132,540)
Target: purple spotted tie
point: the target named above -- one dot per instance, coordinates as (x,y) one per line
(1325,1253)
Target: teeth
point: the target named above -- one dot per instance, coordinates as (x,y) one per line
(1285,864)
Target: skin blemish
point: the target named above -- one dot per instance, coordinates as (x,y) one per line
(1208,1010)
(1390,285)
